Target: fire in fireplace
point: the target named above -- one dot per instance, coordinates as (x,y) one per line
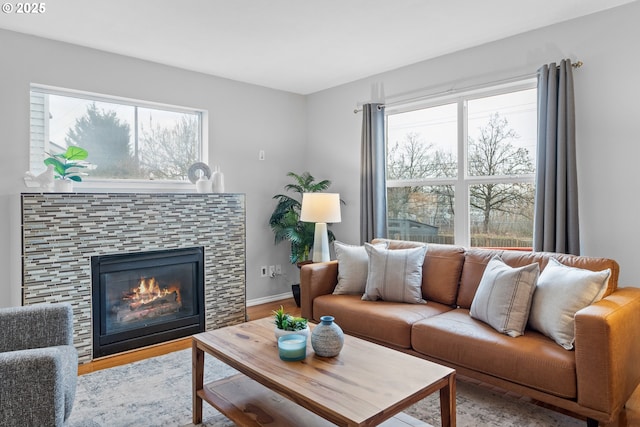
(147,301)
(145,298)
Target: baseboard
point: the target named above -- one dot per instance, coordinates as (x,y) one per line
(265,300)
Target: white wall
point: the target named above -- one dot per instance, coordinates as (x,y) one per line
(607,98)
(242,120)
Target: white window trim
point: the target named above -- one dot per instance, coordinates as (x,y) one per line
(463,182)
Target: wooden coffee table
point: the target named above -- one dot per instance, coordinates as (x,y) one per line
(364,385)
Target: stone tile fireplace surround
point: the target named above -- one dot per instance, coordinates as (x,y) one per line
(62,231)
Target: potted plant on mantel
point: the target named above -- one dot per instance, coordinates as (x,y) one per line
(67,167)
(286,225)
(287,324)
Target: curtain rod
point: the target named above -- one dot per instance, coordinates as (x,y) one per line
(576,65)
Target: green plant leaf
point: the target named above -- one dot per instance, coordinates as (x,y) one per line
(58,166)
(76,153)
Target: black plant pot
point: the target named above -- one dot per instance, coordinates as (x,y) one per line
(295,289)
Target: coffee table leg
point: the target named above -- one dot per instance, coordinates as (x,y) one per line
(448,402)
(197,380)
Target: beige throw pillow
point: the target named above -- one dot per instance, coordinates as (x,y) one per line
(503,298)
(353,263)
(395,275)
(560,293)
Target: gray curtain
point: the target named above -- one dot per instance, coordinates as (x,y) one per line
(373,191)
(556,227)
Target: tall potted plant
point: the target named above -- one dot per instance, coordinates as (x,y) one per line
(285,220)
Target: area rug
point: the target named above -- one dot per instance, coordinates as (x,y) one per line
(157,392)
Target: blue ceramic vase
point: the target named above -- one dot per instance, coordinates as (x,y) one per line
(327,338)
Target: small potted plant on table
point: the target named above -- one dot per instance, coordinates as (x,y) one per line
(286,324)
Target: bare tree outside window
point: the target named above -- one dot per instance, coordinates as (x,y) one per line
(420,209)
(166,152)
(494,154)
(496,185)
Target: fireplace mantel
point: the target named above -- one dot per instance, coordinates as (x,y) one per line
(61,231)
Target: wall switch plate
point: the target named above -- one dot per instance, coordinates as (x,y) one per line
(261,155)
(278,269)
(272,271)
(263,271)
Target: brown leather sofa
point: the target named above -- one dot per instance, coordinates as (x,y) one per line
(594,380)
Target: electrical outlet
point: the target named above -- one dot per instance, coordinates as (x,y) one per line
(278,269)
(263,271)
(272,271)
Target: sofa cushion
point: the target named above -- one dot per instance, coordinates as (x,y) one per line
(560,293)
(394,275)
(503,298)
(476,260)
(382,321)
(532,359)
(353,262)
(440,271)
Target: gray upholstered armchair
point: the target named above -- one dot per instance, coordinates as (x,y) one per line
(38,365)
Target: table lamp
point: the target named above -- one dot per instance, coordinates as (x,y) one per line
(321,208)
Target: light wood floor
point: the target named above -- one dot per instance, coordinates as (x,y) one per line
(629,418)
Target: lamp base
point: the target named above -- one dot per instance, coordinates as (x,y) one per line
(321,243)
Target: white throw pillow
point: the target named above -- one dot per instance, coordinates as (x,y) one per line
(395,275)
(353,263)
(503,298)
(561,292)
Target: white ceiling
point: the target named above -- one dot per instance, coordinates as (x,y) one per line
(300,46)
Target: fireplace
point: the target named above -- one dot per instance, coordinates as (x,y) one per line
(145,298)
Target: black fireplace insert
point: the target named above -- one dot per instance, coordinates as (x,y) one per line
(145,298)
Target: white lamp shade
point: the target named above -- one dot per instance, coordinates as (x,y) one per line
(320,207)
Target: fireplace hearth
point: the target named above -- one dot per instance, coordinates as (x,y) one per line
(144,298)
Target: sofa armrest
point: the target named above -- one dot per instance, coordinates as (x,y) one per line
(607,347)
(316,279)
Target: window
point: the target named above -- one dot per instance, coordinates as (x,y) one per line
(462,170)
(125,139)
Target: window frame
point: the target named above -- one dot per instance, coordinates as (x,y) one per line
(98,184)
(463,182)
